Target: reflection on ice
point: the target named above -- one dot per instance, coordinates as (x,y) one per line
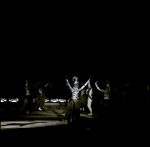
(29,124)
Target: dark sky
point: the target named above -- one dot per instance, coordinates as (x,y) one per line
(57,39)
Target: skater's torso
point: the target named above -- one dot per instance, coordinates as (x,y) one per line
(106,93)
(75,92)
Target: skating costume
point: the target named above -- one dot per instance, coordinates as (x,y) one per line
(40,101)
(74,105)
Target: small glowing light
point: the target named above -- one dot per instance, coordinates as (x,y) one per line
(3,100)
(13,100)
(62,100)
(46,100)
(54,100)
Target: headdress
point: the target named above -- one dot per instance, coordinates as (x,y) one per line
(75,80)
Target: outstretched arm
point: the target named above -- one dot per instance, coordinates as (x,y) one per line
(37,84)
(84,85)
(46,84)
(68,84)
(98,87)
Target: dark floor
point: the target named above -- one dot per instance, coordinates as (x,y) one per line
(48,127)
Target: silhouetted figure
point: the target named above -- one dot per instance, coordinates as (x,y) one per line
(28,98)
(40,100)
(106,97)
(90,98)
(83,98)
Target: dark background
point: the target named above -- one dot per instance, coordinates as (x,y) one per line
(52,40)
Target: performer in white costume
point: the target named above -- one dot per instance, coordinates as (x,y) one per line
(73,108)
(90,98)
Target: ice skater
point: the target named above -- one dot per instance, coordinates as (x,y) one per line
(105,91)
(90,99)
(28,98)
(73,107)
(40,101)
(105,101)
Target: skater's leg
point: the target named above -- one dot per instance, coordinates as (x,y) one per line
(25,105)
(42,102)
(77,107)
(69,111)
(89,103)
(37,103)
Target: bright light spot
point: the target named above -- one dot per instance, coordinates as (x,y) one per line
(46,100)
(54,100)
(3,100)
(13,100)
(62,100)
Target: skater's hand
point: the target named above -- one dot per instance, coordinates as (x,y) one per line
(67,82)
(90,77)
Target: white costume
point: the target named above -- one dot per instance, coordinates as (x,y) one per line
(75,90)
(73,107)
(90,98)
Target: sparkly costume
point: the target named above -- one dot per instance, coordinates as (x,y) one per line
(73,108)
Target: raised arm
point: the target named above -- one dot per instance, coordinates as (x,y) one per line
(84,85)
(68,84)
(46,84)
(37,84)
(98,87)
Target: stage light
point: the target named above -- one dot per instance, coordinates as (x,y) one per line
(46,100)
(13,100)
(54,100)
(62,100)
(3,100)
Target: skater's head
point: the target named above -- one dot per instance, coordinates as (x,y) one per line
(27,92)
(40,90)
(106,83)
(75,82)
